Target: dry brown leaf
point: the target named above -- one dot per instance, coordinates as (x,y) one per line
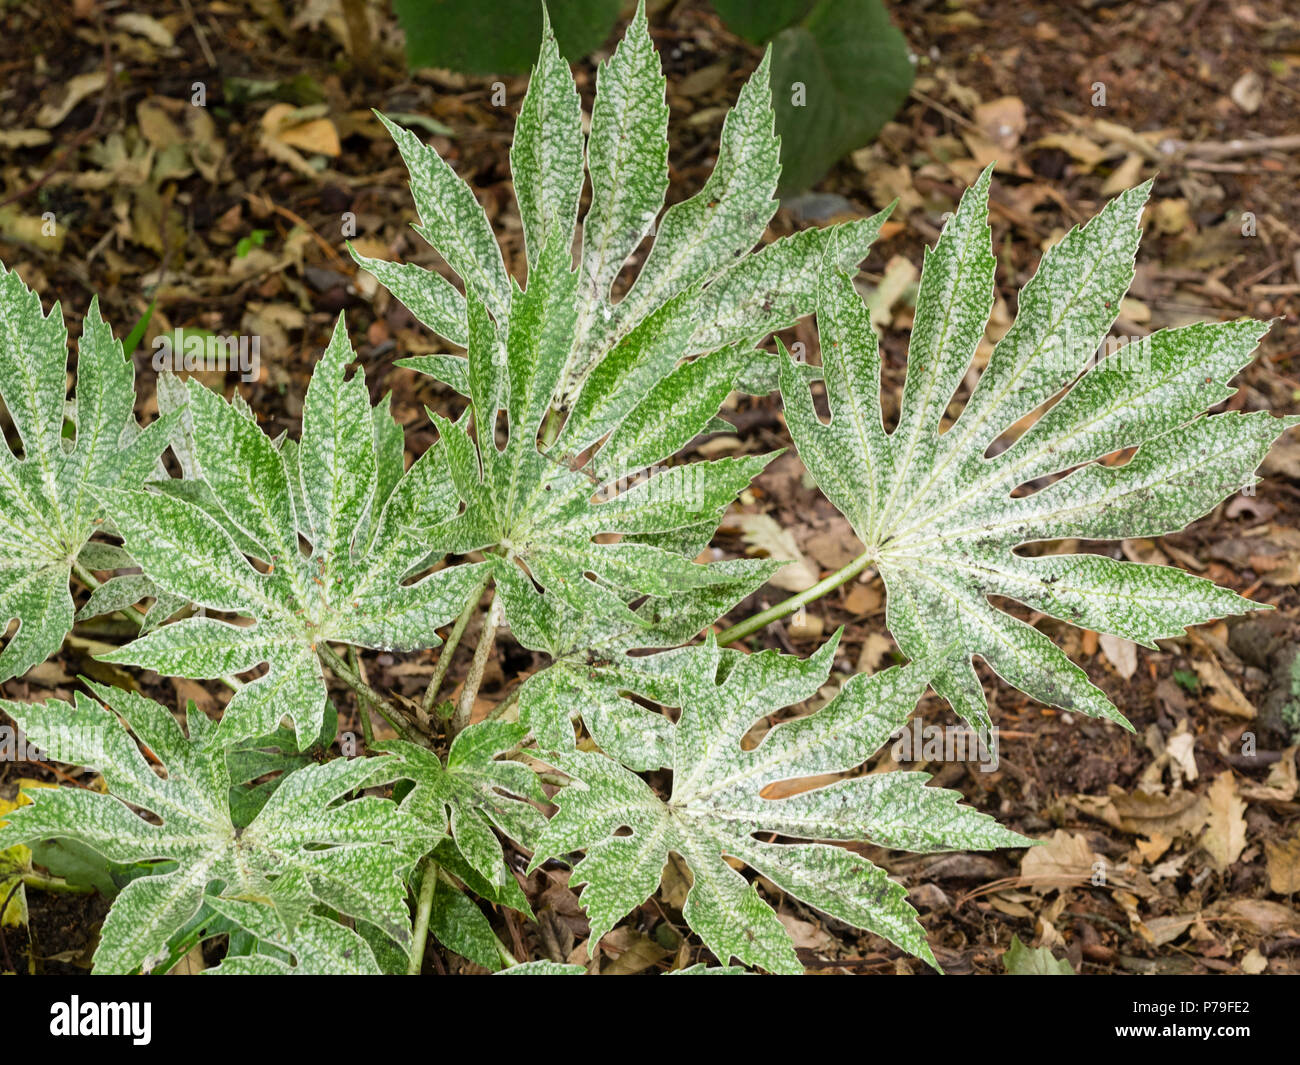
(1124,176)
(1067,860)
(807,935)
(1002,120)
(1166,929)
(1224,695)
(1281,784)
(766,536)
(1225,835)
(875,649)
(1179,815)
(145,26)
(74,91)
(1261,915)
(630,951)
(1283,865)
(1077,147)
(1122,654)
(863,599)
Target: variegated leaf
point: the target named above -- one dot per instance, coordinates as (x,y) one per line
(306,846)
(49,506)
(473,793)
(316,947)
(943,508)
(717,807)
(342,490)
(600,392)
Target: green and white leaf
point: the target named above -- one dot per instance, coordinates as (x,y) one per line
(592,674)
(316,947)
(941,510)
(49,507)
(553,514)
(459,925)
(342,490)
(601,391)
(716,807)
(476,791)
(307,846)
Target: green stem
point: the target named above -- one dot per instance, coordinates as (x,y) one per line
(93,583)
(382,706)
(476,668)
(752,624)
(428,883)
(363,704)
(449,650)
(44,883)
(506,705)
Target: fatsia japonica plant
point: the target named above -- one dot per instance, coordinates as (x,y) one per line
(557,504)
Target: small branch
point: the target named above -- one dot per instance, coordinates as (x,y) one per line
(424,907)
(503,708)
(363,704)
(751,625)
(485,641)
(382,706)
(449,650)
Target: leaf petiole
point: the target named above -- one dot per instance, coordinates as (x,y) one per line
(788,606)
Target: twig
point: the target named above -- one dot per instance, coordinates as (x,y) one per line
(382,706)
(266,203)
(423,909)
(449,650)
(199,35)
(485,641)
(1236,148)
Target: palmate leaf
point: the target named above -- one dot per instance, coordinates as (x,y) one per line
(592,670)
(599,391)
(941,512)
(316,947)
(307,846)
(717,806)
(341,489)
(48,502)
(546,514)
(474,792)
(701,252)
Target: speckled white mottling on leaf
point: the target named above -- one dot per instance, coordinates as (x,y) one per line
(942,511)
(304,847)
(49,504)
(198,539)
(717,807)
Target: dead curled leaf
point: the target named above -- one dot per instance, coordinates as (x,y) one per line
(765,536)
(1180,815)
(1224,694)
